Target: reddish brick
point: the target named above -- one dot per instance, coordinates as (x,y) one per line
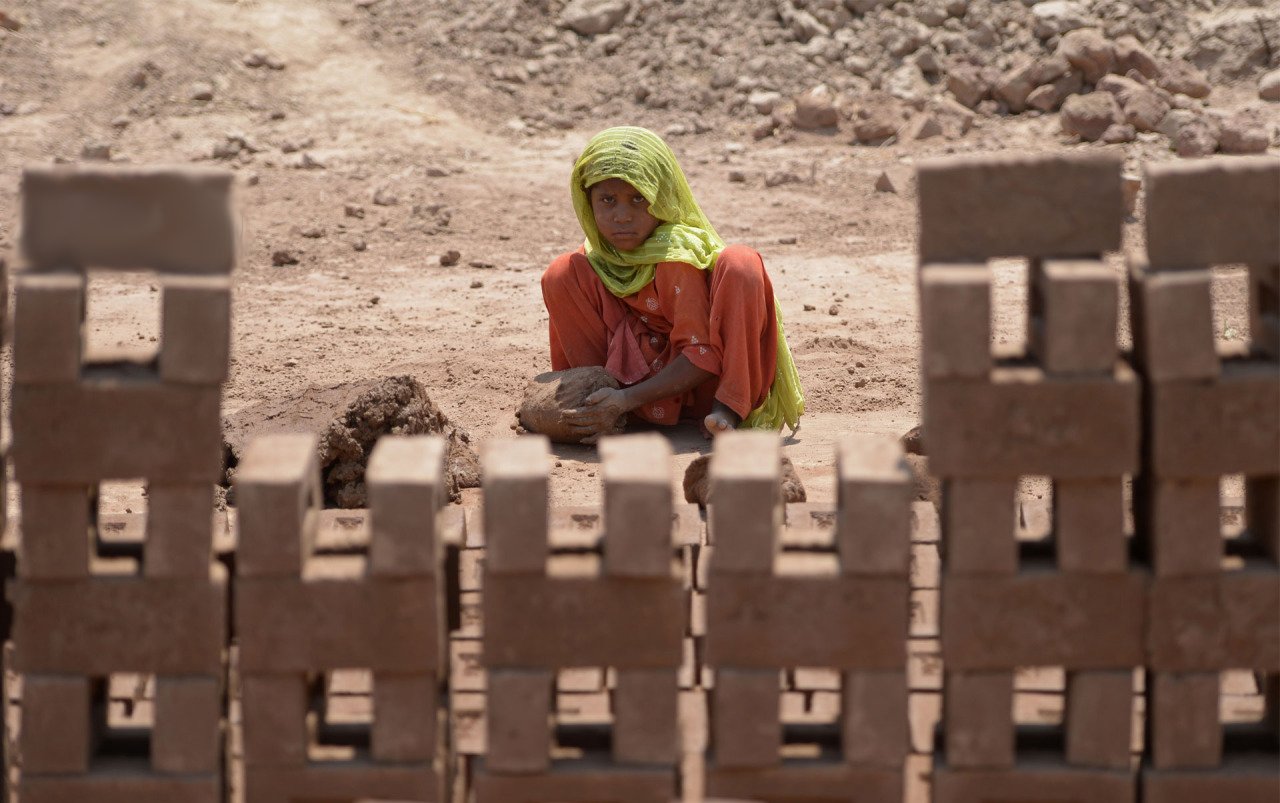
(745,516)
(179,530)
(195,340)
(1074,312)
(955,320)
(274,712)
(407,718)
(1099,718)
(55,532)
(518,709)
(980,519)
(345,780)
(578,781)
(1044,781)
(48,344)
(124,781)
(187,738)
(56,735)
(407,486)
(277,491)
(165,219)
(1229,619)
(1019,206)
(808,781)
(978,719)
(873,518)
(645,729)
(1185,729)
(873,715)
(1182,524)
(1088,524)
(1243,778)
(638,508)
(746,728)
(515,504)
(1173,323)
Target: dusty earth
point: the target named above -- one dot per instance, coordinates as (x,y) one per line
(403,165)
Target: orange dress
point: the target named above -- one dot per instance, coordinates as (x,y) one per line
(722,320)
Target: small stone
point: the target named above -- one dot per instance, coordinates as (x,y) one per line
(312,233)
(373,302)
(252,179)
(1119,133)
(895,179)
(359,245)
(1181,77)
(764,101)
(789,239)
(1089,116)
(201,91)
(308,162)
(780,177)
(737,177)
(1089,52)
(809,308)
(385,197)
(480,264)
(1144,109)
(834,310)
(591,17)
(1196,139)
(1243,134)
(283,258)
(816,109)
(1057,17)
(291,363)
(476,284)
(1133,55)
(353,210)
(967,83)
(877,117)
(1269,86)
(922,126)
(96,151)
(1174,121)
(121,123)
(1130,185)
(450,258)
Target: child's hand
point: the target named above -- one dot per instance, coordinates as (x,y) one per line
(599,414)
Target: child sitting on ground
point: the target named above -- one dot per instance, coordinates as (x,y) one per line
(688,326)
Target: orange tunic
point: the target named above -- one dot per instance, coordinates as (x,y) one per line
(721,320)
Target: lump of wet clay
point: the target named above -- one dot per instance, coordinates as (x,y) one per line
(549,395)
(697,482)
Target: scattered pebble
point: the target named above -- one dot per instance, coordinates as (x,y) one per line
(283,257)
(291,363)
(789,239)
(809,308)
(313,233)
(835,310)
(385,197)
(96,151)
(354,210)
(479,263)
(450,258)
(737,176)
(359,245)
(476,284)
(201,91)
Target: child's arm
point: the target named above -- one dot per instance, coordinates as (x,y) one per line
(604,406)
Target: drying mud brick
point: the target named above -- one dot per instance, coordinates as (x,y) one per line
(357,780)
(746,729)
(121,624)
(1237,430)
(1242,778)
(955,320)
(637,506)
(102,430)
(747,513)
(195,345)
(1043,618)
(1182,522)
(275,728)
(519,719)
(587,782)
(515,504)
(548,396)
(1227,619)
(1212,212)
(973,209)
(1185,729)
(873,512)
(406,721)
(55,532)
(978,718)
(873,721)
(979,517)
(697,482)
(1099,718)
(806,781)
(1024,422)
(48,344)
(129,782)
(187,736)
(179,539)
(407,486)
(538,622)
(167,220)
(277,488)
(645,707)
(1074,314)
(305,624)
(1088,525)
(1044,782)
(770,621)
(56,735)
(1173,323)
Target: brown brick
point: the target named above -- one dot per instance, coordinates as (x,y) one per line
(1173,323)
(745,516)
(1088,523)
(746,728)
(1045,781)
(515,504)
(518,709)
(1243,778)
(56,734)
(1043,618)
(55,532)
(645,729)
(1214,212)
(179,530)
(1099,718)
(49,310)
(1223,620)
(346,780)
(533,621)
(580,781)
(978,719)
(93,431)
(1019,206)
(873,519)
(407,486)
(759,622)
(1181,521)
(873,717)
(980,519)
(274,713)
(926,527)
(1185,731)
(121,782)
(104,625)
(195,340)
(165,219)
(1262,512)
(1074,311)
(955,320)
(380,623)
(187,737)
(1023,422)
(806,781)
(277,490)
(637,506)
(407,717)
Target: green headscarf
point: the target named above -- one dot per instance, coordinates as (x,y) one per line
(640,157)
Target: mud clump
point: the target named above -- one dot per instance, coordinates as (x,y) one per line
(397,405)
(549,395)
(697,482)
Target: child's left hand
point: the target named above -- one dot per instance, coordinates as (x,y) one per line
(599,414)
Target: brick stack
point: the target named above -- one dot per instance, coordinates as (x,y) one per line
(303,618)
(80,619)
(1067,410)
(616,604)
(1211,412)
(840,606)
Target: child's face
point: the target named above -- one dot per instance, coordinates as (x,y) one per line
(622,214)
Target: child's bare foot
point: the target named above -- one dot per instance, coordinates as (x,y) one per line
(722,418)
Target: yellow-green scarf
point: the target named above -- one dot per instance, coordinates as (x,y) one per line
(640,158)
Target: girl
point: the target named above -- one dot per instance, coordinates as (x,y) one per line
(688,326)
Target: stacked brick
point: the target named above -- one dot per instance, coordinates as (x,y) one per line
(77,422)
(842,606)
(618,604)
(1211,412)
(303,618)
(1067,410)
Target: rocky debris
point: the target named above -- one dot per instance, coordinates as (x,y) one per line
(1057,17)
(548,396)
(1118,133)
(1243,133)
(450,258)
(1089,116)
(816,109)
(877,116)
(1198,137)
(764,101)
(283,257)
(384,197)
(201,91)
(233,145)
(1269,86)
(922,125)
(1016,85)
(697,482)
(261,58)
(897,180)
(1182,78)
(145,74)
(970,84)
(592,17)
(1144,108)
(1088,51)
(1132,55)
(397,405)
